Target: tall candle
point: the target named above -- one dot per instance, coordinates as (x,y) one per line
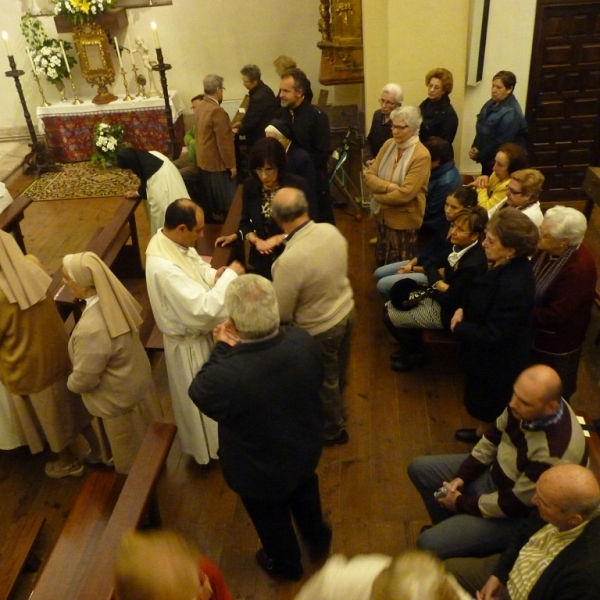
(130,52)
(7,43)
(155,35)
(30,59)
(118,52)
(65,57)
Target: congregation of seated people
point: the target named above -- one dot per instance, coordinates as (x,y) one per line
(477,260)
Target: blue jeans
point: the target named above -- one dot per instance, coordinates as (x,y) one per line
(387,276)
(457,534)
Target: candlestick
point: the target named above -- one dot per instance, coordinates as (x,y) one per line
(65,57)
(155,35)
(118,53)
(162,68)
(7,43)
(40,159)
(76,100)
(127,96)
(41,89)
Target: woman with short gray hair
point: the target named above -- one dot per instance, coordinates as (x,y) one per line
(565,288)
(398,179)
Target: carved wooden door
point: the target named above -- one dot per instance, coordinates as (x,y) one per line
(563,101)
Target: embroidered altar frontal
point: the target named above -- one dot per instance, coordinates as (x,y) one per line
(69,128)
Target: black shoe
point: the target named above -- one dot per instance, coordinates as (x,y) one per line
(408,362)
(341,438)
(270,568)
(398,355)
(468,435)
(319,549)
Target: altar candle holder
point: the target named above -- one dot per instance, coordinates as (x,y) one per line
(127,96)
(41,89)
(162,68)
(41,159)
(76,100)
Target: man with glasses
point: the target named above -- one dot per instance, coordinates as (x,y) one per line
(215,151)
(381,126)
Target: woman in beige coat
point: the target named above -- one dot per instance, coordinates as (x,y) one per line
(110,368)
(398,180)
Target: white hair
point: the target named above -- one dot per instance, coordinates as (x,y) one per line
(395,90)
(411,115)
(563,222)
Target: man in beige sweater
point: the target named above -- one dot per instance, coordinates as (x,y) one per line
(314,293)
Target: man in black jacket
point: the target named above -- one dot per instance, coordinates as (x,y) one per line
(310,128)
(261,384)
(555,555)
(261,106)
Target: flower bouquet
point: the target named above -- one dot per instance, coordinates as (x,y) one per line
(108,142)
(46,54)
(79,12)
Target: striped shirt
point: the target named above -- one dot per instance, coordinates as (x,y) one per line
(535,556)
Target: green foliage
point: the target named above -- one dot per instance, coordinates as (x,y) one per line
(108,142)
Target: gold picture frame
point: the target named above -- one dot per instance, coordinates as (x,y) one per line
(95,60)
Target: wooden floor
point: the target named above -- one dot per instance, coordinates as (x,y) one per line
(365,490)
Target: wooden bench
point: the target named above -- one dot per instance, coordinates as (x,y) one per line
(592,440)
(11,217)
(109,505)
(17,552)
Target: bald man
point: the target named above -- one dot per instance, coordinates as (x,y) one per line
(555,556)
(490,491)
(313,291)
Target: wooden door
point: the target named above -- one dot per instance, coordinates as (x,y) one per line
(563,101)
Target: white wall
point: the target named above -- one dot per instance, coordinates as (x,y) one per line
(403,40)
(508,48)
(197,38)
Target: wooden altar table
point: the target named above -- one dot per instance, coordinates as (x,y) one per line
(69,128)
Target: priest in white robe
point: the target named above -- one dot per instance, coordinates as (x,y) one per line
(187,297)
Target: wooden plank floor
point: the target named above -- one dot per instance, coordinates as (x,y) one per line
(365,490)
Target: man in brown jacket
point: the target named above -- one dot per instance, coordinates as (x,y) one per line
(215,152)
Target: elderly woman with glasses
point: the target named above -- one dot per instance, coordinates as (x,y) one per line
(522,193)
(398,181)
(268,165)
(439,117)
(381,125)
(565,288)
(493,325)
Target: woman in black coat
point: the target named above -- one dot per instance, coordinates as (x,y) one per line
(495,323)
(268,165)
(439,117)
(462,259)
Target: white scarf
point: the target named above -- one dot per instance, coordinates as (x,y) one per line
(395,173)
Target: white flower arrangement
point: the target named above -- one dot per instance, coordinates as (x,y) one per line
(108,142)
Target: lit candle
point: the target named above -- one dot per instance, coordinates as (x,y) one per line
(155,35)
(118,53)
(30,59)
(65,57)
(7,43)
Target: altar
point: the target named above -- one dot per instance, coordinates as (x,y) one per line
(69,128)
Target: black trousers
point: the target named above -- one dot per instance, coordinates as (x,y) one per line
(273,523)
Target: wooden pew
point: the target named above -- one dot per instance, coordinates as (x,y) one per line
(109,505)
(11,217)
(592,440)
(109,243)
(17,552)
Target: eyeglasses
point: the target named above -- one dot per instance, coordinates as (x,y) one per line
(387,102)
(399,127)
(265,171)
(513,191)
